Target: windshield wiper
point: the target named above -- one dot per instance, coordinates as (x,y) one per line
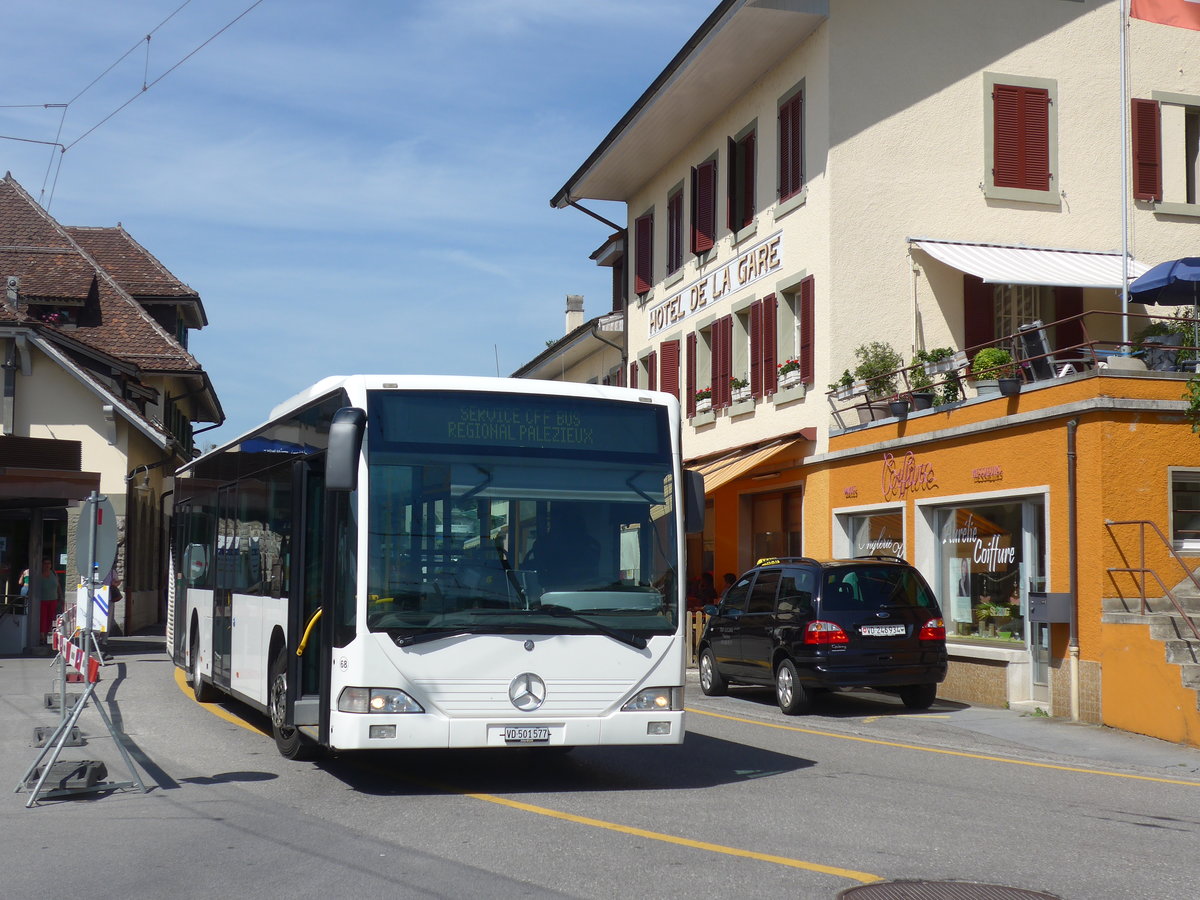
(625,637)
(427,636)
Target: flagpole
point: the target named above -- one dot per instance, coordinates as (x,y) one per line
(1124,183)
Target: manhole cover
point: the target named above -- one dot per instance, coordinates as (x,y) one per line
(941,890)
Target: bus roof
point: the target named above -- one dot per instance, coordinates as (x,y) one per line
(357,385)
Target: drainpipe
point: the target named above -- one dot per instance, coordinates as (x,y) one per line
(620,350)
(1073,554)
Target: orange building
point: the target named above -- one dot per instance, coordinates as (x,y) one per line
(1036,518)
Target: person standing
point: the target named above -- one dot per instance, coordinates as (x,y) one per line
(50,593)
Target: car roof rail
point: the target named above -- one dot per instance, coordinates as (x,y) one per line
(884,556)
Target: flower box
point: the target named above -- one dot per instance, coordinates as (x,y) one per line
(789,379)
(740,394)
(703,406)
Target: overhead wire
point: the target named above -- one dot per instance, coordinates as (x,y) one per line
(146,85)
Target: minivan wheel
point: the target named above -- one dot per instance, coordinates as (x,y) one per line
(793,698)
(712,682)
(918,696)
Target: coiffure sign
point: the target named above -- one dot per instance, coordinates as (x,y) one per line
(902,476)
(743,270)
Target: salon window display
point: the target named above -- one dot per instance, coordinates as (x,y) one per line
(985,570)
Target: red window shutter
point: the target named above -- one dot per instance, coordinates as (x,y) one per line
(791,147)
(1068,301)
(652,371)
(1021,137)
(643,230)
(1147,150)
(704,206)
(732,213)
(675,232)
(756,349)
(690,376)
(747,210)
(979,312)
(633,374)
(770,344)
(669,367)
(807,332)
(722,362)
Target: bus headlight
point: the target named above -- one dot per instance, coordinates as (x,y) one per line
(376,700)
(655,700)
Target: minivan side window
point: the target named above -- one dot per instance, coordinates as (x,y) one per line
(762,598)
(796,590)
(736,596)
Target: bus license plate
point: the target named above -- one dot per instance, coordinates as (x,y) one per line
(526,734)
(882,630)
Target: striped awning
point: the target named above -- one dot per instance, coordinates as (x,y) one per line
(1007,264)
(720,472)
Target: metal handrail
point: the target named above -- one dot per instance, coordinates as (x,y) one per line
(1144,570)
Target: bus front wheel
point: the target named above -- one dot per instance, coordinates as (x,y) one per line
(288,739)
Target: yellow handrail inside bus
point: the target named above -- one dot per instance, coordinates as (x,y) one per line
(308,630)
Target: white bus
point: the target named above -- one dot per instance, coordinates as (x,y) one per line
(409,561)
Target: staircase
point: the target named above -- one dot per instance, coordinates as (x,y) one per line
(1167,624)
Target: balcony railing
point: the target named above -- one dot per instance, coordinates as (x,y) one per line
(1166,347)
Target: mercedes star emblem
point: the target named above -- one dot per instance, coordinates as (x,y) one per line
(527,692)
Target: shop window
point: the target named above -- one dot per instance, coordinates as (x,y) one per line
(877,534)
(776,524)
(1185,509)
(990,557)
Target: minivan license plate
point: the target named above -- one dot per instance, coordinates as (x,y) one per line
(882,630)
(526,735)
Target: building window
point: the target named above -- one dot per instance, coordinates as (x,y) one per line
(740,181)
(764,346)
(643,231)
(704,206)
(1185,509)
(791,144)
(1014,305)
(675,231)
(990,555)
(1021,138)
(877,534)
(1166,150)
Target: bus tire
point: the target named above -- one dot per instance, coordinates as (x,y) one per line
(290,742)
(201,689)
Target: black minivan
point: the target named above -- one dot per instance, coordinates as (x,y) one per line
(805,626)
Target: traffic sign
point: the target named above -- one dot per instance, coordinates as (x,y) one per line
(97,515)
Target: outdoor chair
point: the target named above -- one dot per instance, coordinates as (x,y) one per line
(1162,352)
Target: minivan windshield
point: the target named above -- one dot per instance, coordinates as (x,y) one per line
(866,586)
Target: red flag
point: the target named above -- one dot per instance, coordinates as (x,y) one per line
(1181,13)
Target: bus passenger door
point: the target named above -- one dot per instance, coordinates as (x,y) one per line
(308,672)
(226,579)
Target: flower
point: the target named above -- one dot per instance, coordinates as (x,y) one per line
(704,394)
(736,383)
(790,365)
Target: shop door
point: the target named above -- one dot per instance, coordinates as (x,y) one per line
(776,522)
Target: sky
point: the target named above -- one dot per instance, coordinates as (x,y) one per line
(350,186)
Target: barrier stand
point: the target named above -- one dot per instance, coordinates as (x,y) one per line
(41,733)
(80,658)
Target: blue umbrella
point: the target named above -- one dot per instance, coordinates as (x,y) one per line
(1172,283)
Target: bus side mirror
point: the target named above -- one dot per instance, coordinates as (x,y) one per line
(693,501)
(345,443)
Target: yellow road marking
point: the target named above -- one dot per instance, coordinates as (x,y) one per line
(872,719)
(215,709)
(965,755)
(863,877)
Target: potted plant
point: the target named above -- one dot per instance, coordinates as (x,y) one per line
(844,388)
(704,400)
(990,365)
(740,389)
(898,407)
(941,360)
(920,381)
(878,369)
(789,373)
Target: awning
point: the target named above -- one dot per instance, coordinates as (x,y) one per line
(1006,264)
(720,472)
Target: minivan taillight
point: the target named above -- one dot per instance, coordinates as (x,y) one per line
(824,633)
(933,630)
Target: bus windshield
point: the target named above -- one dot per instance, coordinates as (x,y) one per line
(519,514)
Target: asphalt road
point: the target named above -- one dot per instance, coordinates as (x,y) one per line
(754,804)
